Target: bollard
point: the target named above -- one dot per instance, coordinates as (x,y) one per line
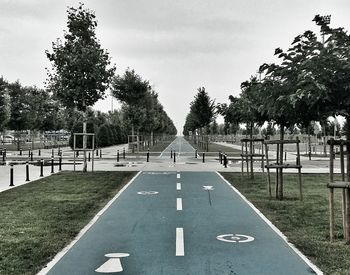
(52,153)
(220,157)
(1,152)
(203,157)
(20,152)
(39,153)
(195,153)
(52,169)
(89,157)
(11,176)
(225,160)
(41,168)
(27,171)
(77,154)
(96,152)
(171,153)
(60,164)
(4,153)
(123,153)
(31,156)
(148,155)
(3,156)
(285,156)
(117,155)
(29,153)
(100,153)
(174,156)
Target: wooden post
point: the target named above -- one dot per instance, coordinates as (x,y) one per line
(251,150)
(242,164)
(277,171)
(347,199)
(299,171)
(331,214)
(268,171)
(331,194)
(246,157)
(343,189)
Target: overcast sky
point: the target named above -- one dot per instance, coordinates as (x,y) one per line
(179,45)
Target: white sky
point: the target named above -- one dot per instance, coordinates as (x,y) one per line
(179,45)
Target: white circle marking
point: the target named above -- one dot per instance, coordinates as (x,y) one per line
(235,238)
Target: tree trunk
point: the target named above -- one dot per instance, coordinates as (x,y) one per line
(251,150)
(84,140)
(132,138)
(280,177)
(324,137)
(309,140)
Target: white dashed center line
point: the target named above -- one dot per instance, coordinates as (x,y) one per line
(178,186)
(180,244)
(179,204)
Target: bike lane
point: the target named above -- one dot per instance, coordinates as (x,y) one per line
(181,223)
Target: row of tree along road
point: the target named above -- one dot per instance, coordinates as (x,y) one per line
(80,75)
(310,83)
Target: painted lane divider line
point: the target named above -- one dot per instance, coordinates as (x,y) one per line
(113,264)
(180,244)
(178,186)
(178,204)
(178,176)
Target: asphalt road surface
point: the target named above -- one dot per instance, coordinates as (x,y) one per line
(181,223)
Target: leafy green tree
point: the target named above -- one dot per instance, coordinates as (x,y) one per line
(202,109)
(81,68)
(4,104)
(104,136)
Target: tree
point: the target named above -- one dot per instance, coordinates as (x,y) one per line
(81,70)
(202,109)
(4,104)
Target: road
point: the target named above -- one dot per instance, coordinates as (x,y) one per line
(183,223)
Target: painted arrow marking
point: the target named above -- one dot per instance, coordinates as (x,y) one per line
(113,264)
(209,188)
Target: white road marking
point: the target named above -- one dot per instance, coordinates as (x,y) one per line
(180,244)
(178,176)
(209,188)
(147,193)
(178,186)
(178,204)
(235,238)
(113,264)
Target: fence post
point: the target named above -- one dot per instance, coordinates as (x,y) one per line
(27,171)
(41,168)
(60,164)
(52,169)
(11,175)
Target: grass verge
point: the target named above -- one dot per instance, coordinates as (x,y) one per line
(306,223)
(39,219)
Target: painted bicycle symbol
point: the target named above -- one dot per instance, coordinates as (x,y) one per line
(235,238)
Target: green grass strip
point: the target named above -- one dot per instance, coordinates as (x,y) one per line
(39,219)
(306,223)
